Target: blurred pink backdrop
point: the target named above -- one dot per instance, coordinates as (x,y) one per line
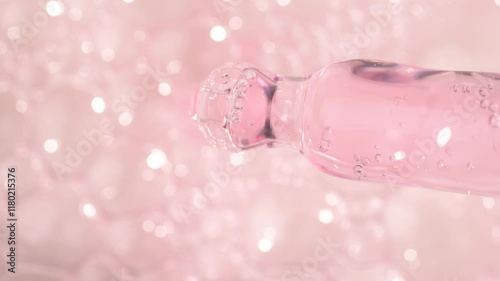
(116,183)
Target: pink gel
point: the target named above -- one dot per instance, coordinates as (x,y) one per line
(365,120)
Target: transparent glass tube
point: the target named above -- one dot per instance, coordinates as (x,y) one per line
(365,120)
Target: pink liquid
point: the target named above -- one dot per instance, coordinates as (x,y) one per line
(366,120)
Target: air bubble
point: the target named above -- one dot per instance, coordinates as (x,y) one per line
(495,121)
(397,101)
(327,133)
(441,164)
(357,157)
(365,161)
(225,79)
(494,107)
(485,93)
(235,116)
(485,103)
(358,170)
(240,102)
(496,145)
(470,166)
(243,87)
(378,158)
(324,146)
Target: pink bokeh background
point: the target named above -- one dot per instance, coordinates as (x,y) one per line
(116,183)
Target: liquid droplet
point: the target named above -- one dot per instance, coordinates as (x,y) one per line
(365,161)
(378,158)
(441,164)
(495,121)
(358,170)
(357,157)
(324,146)
(470,166)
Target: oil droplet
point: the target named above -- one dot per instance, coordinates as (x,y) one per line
(485,103)
(324,146)
(378,158)
(470,166)
(358,170)
(357,157)
(495,121)
(494,107)
(365,161)
(441,164)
